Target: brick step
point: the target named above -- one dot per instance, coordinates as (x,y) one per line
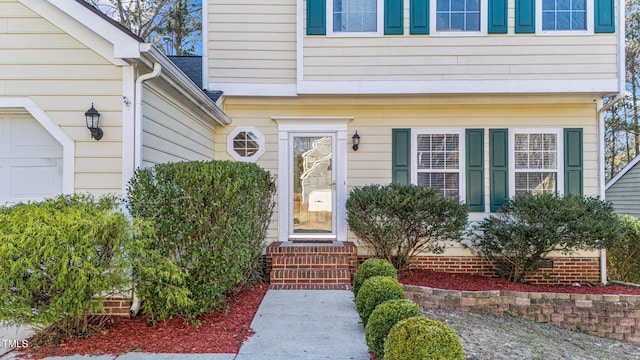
(310,276)
(311,261)
(346,248)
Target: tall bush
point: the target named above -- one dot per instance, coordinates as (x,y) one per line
(396,222)
(530,227)
(624,257)
(59,258)
(211,218)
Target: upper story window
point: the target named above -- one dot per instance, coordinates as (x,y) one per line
(466,17)
(438,161)
(458,15)
(537,156)
(564,15)
(354,17)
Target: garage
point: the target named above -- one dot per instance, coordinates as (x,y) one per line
(30,160)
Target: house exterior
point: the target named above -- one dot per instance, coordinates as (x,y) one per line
(61,57)
(623,190)
(480,99)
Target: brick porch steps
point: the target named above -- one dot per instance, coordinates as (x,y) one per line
(311,265)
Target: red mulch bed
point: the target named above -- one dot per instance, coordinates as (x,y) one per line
(225,332)
(449,281)
(218,333)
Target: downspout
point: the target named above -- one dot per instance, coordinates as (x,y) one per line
(138,113)
(137,149)
(601,128)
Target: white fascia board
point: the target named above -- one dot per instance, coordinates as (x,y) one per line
(459,87)
(59,13)
(622,172)
(177,79)
(255,89)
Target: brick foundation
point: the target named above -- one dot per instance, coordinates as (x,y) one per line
(117,306)
(611,316)
(565,270)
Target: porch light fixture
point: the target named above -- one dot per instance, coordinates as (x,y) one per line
(356,141)
(93,121)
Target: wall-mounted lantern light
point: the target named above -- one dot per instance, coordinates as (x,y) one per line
(93,121)
(356,141)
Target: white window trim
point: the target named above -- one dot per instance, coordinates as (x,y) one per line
(260,140)
(379,23)
(484,20)
(560,153)
(461,158)
(589,17)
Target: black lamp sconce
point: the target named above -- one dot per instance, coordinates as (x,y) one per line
(93,121)
(356,141)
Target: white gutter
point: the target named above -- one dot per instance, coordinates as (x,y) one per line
(138,114)
(601,129)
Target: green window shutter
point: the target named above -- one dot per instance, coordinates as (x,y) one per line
(605,21)
(499,167)
(474,143)
(401,156)
(525,16)
(497,16)
(393,17)
(573,173)
(316,17)
(419,17)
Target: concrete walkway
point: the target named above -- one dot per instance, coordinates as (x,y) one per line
(290,324)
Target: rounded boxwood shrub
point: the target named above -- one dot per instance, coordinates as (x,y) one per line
(375,291)
(382,319)
(418,338)
(372,267)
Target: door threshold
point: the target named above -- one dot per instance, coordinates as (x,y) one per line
(311,241)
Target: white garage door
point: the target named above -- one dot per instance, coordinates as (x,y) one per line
(30,160)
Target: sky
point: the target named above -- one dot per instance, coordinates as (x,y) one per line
(104,5)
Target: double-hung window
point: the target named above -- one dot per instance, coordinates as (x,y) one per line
(459,16)
(565,16)
(537,159)
(355,16)
(438,157)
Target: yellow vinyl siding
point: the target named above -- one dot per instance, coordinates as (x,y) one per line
(375,117)
(171,132)
(64,77)
(505,57)
(252,41)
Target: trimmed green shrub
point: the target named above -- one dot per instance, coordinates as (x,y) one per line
(60,257)
(531,226)
(374,291)
(211,218)
(419,338)
(372,267)
(624,257)
(384,317)
(397,222)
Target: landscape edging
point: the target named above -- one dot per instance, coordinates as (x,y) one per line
(611,316)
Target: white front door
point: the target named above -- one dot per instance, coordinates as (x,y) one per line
(30,160)
(312,178)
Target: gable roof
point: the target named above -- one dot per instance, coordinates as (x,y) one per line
(126,48)
(622,172)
